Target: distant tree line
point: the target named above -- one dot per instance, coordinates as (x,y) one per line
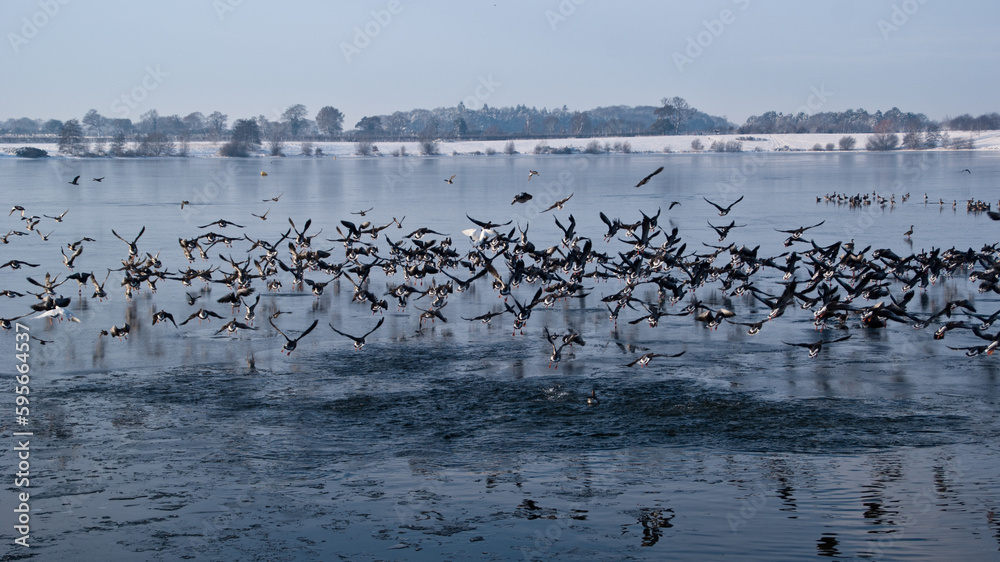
(170,135)
(860,121)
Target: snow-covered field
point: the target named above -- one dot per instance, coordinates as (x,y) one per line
(982,140)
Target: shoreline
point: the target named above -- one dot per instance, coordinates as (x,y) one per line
(671,144)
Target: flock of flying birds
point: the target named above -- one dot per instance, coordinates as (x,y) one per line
(843,286)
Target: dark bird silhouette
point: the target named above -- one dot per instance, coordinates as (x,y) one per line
(796,233)
(816,346)
(644,180)
(723,211)
(100,179)
(232,326)
(163,316)
(16,264)
(366,211)
(120,333)
(201,314)
(133,250)
(275,198)
(451,179)
(291,344)
(644,359)
(222,223)
(556,356)
(359,341)
(488,224)
(723,231)
(76,181)
(522,197)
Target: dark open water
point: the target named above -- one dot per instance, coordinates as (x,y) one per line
(458,441)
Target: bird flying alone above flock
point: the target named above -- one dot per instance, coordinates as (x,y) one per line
(646,179)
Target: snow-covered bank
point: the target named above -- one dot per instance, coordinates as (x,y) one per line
(981,140)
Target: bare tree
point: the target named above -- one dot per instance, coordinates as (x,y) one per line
(330,121)
(294,118)
(71,138)
(217,124)
(94,121)
(194,123)
(913,140)
(882,141)
(847,143)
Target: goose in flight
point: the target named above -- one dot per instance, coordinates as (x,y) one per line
(645,358)
(522,197)
(646,179)
(59,217)
(723,211)
(58,312)
(120,333)
(359,342)
(132,248)
(817,346)
(290,344)
(558,204)
(163,316)
(76,181)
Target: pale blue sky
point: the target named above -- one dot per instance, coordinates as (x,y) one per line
(251,57)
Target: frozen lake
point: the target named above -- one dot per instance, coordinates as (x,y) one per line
(456,439)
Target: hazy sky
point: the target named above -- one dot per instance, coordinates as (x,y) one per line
(735,58)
